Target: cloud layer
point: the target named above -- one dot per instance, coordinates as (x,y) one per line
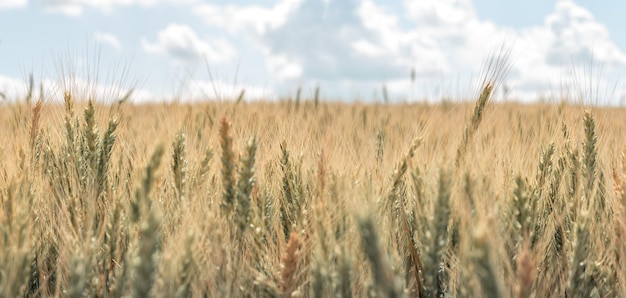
(352,48)
(363,43)
(10,4)
(108,39)
(181,42)
(77,7)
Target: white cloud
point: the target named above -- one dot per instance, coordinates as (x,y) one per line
(283,68)
(108,39)
(12,88)
(182,43)
(362,42)
(84,89)
(329,40)
(313,39)
(255,18)
(548,55)
(578,36)
(77,7)
(194,90)
(10,4)
(543,56)
(69,8)
(441,13)
(367,48)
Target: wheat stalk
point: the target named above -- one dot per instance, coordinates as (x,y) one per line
(289,271)
(370,244)
(245,185)
(228,168)
(179,163)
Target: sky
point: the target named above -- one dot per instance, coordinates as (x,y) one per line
(352,49)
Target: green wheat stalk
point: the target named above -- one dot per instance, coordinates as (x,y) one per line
(245,185)
(228,168)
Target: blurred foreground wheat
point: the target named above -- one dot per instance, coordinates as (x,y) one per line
(312,199)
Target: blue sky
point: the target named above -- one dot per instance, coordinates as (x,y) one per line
(192,49)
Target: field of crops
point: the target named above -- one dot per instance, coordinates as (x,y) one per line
(306,198)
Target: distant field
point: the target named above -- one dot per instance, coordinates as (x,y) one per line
(312,199)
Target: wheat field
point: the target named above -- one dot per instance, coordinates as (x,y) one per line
(307,198)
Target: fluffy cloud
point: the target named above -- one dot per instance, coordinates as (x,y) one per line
(16,89)
(77,7)
(578,35)
(322,40)
(283,68)
(108,39)
(548,55)
(443,13)
(10,4)
(364,43)
(333,40)
(103,92)
(182,43)
(360,41)
(11,88)
(254,18)
(222,90)
(82,88)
